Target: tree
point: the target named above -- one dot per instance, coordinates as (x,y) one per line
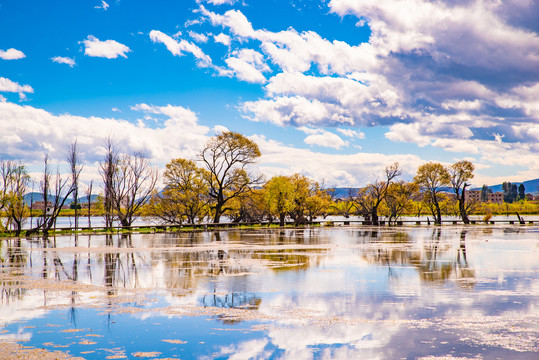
(399,198)
(485,190)
(345,206)
(15,181)
(521,192)
(372,196)
(6,168)
(510,192)
(459,175)
(107,169)
(249,207)
(89,197)
(318,202)
(185,195)
(133,181)
(76,168)
(280,197)
(431,178)
(53,191)
(228,157)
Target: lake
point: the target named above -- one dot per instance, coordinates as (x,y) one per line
(347,292)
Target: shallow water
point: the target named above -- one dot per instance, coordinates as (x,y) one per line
(347,292)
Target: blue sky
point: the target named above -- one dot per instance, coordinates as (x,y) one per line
(334,89)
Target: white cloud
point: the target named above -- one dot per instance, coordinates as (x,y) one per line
(218,129)
(442,71)
(248,65)
(352,133)
(11,54)
(178,48)
(202,38)
(176,133)
(221,2)
(222,39)
(103,6)
(323,138)
(109,49)
(7,85)
(64,60)
(356,169)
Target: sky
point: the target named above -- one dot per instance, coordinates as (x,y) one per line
(333,89)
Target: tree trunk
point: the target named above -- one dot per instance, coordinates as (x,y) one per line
(462,206)
(281,219)
(374,216)
(218,212)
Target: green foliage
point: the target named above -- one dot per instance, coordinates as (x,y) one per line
(185,197)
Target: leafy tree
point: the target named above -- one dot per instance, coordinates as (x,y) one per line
(510,192)
(459,175)
(431,178)
(399,199)
(185,196)
(318,201)
(485,190)
(227,157)
(280,197)
(249,207)
(14,185)
(521,192)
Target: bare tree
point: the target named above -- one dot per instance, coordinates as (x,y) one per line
(370,198)
(132,185)
(459,175)
(76,168)
(53,191)
(107,169)
(89,197)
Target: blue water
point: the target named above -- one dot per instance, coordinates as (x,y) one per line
(318,293)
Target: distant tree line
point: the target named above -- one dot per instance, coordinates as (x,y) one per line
(222,181)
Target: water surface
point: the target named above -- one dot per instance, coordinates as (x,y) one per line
(346,292)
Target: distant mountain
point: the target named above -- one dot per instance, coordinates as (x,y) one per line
(35,196)
(530,186)
(344,192)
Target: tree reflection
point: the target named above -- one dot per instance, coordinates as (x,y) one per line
(433,260)
(13,260)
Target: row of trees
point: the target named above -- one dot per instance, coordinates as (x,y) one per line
(222,181)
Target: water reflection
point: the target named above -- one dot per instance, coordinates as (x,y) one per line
(368,286)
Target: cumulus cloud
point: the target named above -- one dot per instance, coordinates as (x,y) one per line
(11,54)
(198,37)
(177,48)
(323,138)
(248,65)
(28,132)
(444,70)
(352,133)
(64,60)
(357,169)
(7,85)
(222,39)
(109,49)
